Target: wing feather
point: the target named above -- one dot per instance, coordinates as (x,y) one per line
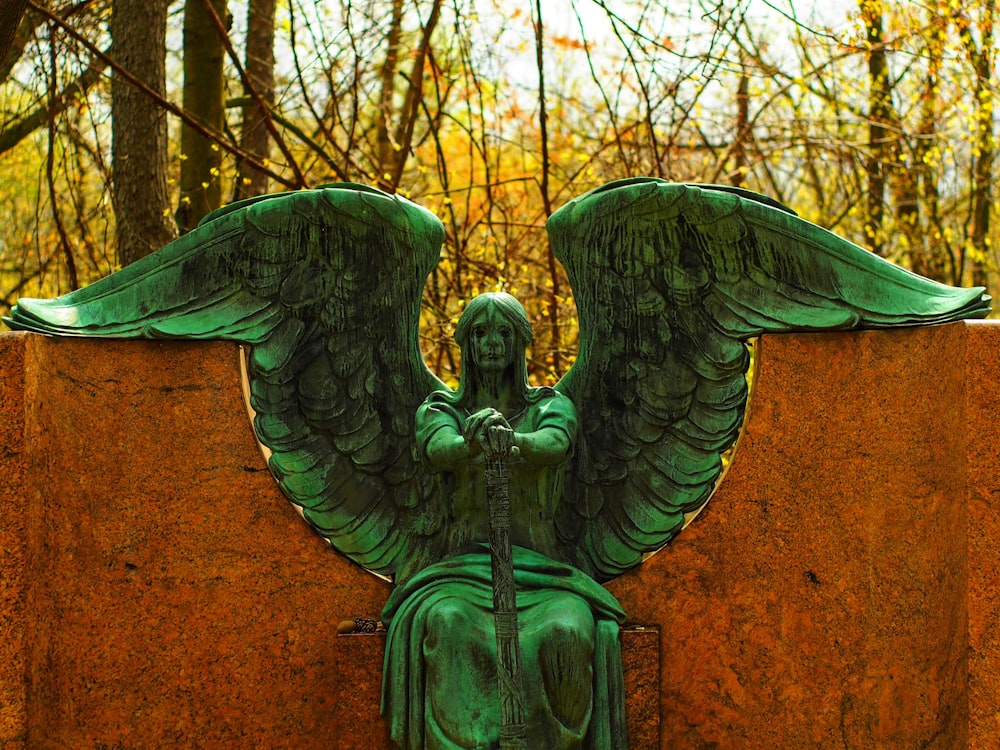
(326,286)
(670,280)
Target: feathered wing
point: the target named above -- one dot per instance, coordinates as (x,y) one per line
(669,282)
(326,286)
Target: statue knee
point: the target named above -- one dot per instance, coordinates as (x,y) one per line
(569,619)
(450,616)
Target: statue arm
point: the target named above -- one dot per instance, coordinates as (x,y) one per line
(446,449)
(553,432)
(440,439)
(545,447)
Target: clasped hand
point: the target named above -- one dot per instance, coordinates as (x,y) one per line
(488,431)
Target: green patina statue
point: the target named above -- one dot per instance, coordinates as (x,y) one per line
(498,508)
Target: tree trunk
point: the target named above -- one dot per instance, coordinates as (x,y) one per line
(201,159)
(139,131)
(387,150)
(393,144)
(544,187)
(254,138)
(741,164)
(984,141)
(917,199)
(879,104)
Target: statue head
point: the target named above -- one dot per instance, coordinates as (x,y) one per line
(493,333)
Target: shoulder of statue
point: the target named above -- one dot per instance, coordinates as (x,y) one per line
(440,398)
(541,393)
(549,397)
(437,406)
(553,408)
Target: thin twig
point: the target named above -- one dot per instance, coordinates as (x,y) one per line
(169,106)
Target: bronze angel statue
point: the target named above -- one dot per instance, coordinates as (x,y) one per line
(391,466)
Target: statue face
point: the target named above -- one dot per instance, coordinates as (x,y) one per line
(493,342)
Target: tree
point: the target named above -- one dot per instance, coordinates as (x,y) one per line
(917,195)
(258,94)
(204,100)
(881,123)
(139,130)
(394,129)
(878,124)
(980,55)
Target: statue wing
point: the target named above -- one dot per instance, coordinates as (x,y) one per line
(669,281)
(326,286)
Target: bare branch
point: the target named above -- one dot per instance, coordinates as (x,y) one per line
(53,106)
(216,137)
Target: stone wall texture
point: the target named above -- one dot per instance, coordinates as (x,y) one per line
(839,591)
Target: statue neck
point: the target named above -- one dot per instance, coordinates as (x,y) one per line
(495,390)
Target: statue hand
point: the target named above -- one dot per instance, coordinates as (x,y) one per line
(499,441)
(478,427)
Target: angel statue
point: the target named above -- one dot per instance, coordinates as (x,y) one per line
(400,472)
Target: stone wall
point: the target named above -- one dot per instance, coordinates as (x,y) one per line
(156,590)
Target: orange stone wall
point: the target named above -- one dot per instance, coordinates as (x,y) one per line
(840,590)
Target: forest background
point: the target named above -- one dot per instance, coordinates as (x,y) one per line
(123,122)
